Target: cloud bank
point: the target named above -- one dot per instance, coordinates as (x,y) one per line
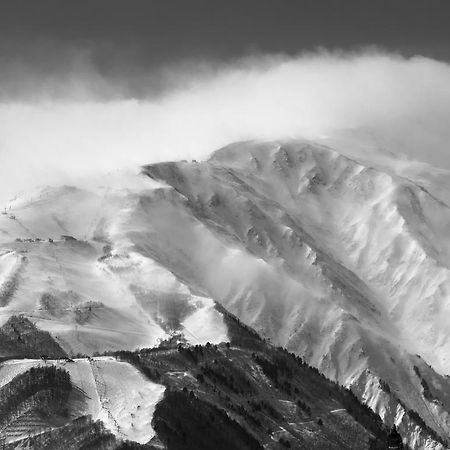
(403,103)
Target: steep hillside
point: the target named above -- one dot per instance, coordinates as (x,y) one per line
(243,394)
(344,264)
(248,394)
(34,399)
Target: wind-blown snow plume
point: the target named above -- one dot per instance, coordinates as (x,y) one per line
(402,104)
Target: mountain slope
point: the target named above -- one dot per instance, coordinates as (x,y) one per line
(343,262)
(58,268)
(243,394)
(249,394)
(331,259)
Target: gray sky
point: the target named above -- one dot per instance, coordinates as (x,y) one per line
(89,86)
(131,43)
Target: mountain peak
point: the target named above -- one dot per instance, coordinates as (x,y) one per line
(342,262)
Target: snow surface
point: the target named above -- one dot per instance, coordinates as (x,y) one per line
(108,390)
(205,324)
(99,291)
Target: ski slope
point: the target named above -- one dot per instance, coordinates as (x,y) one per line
(108,390)
(69,262)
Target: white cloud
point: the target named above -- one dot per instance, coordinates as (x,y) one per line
(404,102)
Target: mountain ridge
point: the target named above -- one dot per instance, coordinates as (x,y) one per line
(341,263)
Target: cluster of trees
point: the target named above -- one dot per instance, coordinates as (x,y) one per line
(362,413)
(240,334)
(183,421)
(261,405)
(81,433)
(20,337)
(303,406)
(193,353)
(225,382)
(283,368)
(226,376)
(8,288)
(43,389)
(278,371)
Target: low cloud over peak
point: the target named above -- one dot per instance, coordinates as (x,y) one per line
(85,127)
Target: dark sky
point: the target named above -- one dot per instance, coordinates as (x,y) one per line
(124,39)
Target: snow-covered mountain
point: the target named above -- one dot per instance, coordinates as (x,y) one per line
(69,262)
(343,261)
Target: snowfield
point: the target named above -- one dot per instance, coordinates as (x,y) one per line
(71,261)
(109,390)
